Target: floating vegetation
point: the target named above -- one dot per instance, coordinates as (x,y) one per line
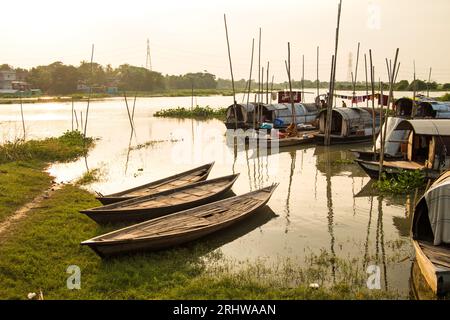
(195,113)
(405,182)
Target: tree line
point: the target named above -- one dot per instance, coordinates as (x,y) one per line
(58,78)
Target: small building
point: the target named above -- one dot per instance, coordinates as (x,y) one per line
(7,77)
(349,124)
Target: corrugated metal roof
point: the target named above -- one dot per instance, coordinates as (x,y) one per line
(427,127)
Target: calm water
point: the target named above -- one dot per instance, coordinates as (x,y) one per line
(323,202)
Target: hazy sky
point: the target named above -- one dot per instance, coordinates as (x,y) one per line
(189,35)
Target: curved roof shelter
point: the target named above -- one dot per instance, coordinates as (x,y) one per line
(426,127)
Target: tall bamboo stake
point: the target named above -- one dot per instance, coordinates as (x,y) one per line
(231,71)
(76,117)
(267,83)
(356,74)
(414,109)
(250,81)
(72,113)
(291,97)
(90,92)
(392,72)
(328,124)
(259,80)
(367,83)
(317,73)
(428,84)
(21,114)
(302,95)
(372,82)
(128,111)
(271,84)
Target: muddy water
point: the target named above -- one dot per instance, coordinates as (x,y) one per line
(323,202)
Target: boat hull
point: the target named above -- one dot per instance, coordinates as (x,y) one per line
(113,248)
(334,140)
(438,279)
(373,170)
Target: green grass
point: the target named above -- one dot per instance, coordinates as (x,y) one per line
(22,164)
(196,113)
(445,97)
(20,182)
(40,248)
(67,147)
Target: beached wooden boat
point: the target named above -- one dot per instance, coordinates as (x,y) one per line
(180,227)
(156,205)
(431,235)
(175,181)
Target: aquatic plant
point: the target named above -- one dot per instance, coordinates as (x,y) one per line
(194,113)
(404,182)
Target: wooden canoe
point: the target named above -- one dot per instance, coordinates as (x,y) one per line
(180,227)
(175,181)
(156,205)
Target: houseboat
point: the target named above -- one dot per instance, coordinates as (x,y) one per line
(425,149)
(348,125)
(430,234)
(403,109)
(277,115)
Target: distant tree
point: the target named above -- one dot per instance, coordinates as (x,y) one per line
(403,85)
(418,85)
(446,86)
(5,67)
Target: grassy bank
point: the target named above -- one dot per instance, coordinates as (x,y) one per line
(22,165)
(198,112)
(41,248)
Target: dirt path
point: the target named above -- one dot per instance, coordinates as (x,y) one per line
(25,209)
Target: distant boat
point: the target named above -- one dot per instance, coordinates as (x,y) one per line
(425,149)
(431,235)
(175,181)
(180,227)
(156,205)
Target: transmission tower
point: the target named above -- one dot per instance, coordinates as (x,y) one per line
(350,67)
(148,63)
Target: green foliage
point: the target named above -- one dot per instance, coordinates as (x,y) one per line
(196,113)
(404,182)
(68,147)
(89,177)
(445,97)
(200,80)
(446,86)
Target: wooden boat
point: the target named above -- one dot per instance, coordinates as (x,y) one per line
(175,181)
(156,205)
(432,240)
(180,227)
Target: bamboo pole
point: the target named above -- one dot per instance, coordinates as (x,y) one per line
(302,95)
(250,81)
(392,72)
(372,82)
(317,74)
(328,124)
(428,84)
(291,98)
(367,83)
(231,71)
(356,74)
(81,117)
(271,85)
(329,106)
(128,112)
(76,117)
(267,83)
(414,109)
(21,114)
(259,80)
(72,113)
(90,92)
